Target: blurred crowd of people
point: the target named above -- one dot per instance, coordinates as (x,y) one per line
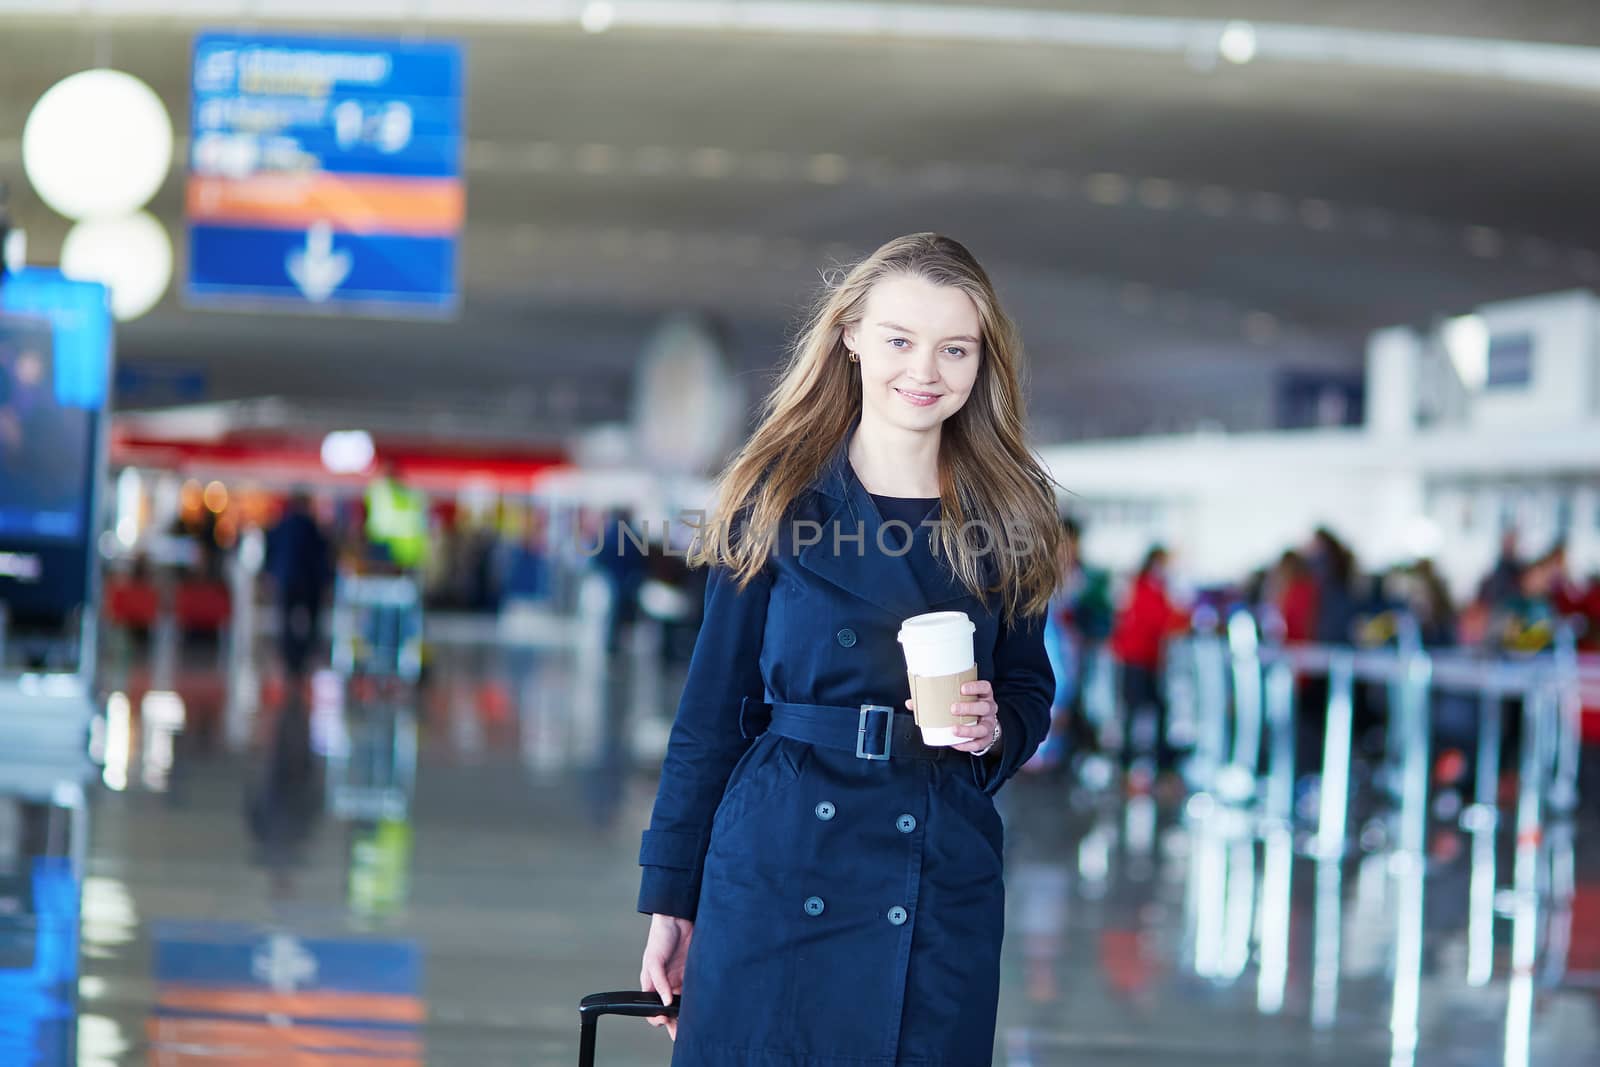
(1316,593)
(508,555)
(1320,595)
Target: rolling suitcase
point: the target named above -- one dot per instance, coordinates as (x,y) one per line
(626,1002)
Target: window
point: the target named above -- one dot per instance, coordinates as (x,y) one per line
(1510,361)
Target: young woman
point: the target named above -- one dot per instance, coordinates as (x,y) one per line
(823,888)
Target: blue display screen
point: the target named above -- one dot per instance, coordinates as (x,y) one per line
(44,443)
(55,361)
(79,317)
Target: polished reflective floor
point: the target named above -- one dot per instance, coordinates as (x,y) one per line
(270,881)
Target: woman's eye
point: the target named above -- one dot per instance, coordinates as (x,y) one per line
(954,351)
(898,342)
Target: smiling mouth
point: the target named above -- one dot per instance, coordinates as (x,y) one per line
(921,397)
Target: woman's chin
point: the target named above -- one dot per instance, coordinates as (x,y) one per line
(904,416)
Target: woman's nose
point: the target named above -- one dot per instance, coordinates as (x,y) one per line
(924,367)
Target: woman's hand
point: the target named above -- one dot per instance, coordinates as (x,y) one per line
(981,707)
(665,951)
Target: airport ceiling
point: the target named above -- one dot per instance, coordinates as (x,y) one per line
(1171,233)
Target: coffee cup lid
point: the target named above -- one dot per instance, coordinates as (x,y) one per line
(936,621)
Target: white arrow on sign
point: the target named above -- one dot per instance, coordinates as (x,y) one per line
(317,269)
(283,963)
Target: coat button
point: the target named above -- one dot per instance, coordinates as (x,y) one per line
(826,810)
(814,906)
(905,823)
(897,915)
(846,637)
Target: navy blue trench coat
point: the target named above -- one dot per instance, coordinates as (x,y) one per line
(848,912)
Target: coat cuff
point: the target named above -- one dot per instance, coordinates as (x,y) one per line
(992,770)
(670,884)
(665,891)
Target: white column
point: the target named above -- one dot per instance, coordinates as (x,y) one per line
(1394,357)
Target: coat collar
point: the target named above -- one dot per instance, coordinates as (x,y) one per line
(904,585)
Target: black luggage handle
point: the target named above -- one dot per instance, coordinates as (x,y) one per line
(631,1002)
(627,1002)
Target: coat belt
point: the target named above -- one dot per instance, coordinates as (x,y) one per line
(869,731)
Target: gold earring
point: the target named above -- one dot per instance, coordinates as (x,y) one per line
(854,358)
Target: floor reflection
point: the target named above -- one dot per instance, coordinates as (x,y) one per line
(436,876)
(1232,936)
(230,992)
(38,942)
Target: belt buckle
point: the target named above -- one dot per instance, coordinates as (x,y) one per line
(888,733)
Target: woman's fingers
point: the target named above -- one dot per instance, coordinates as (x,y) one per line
(658,981)
(644,984)
(653,979)
(983,710)
(979,707)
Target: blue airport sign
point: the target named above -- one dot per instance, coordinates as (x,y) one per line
(325,173)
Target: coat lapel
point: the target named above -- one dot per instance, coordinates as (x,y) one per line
(859,567)
(908,584)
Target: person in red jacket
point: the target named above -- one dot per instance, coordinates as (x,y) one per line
(1148,618)
(1297,599)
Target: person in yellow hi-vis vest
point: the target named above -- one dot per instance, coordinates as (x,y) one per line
(397,522)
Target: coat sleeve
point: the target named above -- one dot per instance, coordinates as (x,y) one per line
(1024,684)
(706,742)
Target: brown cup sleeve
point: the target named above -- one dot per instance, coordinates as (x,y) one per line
(934,695)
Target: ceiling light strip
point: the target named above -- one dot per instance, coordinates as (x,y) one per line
(1558,65)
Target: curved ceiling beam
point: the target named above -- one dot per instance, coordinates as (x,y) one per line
(1200,41)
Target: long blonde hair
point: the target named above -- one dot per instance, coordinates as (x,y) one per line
(988,478)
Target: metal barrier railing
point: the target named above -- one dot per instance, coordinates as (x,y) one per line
(1243,697)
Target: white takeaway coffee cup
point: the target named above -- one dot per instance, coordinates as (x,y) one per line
(939,660)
